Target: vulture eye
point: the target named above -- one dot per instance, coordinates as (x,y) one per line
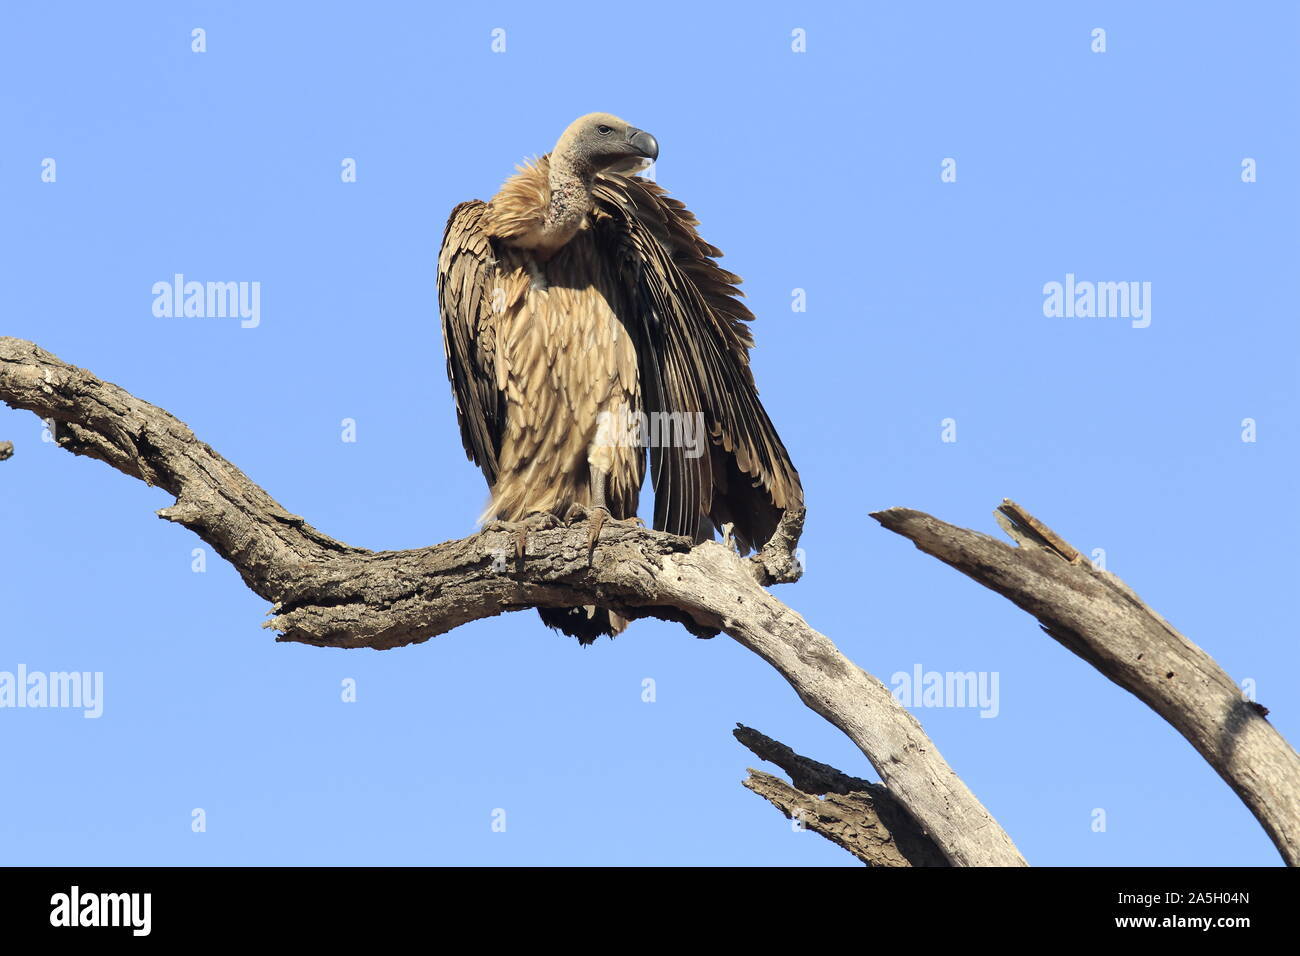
(604,130)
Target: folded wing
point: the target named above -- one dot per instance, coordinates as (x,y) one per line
(466,267)
(693,344)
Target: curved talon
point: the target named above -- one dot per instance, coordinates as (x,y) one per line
(520,529)
(601,517)
(598,518)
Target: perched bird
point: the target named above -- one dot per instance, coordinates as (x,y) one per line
(584,318)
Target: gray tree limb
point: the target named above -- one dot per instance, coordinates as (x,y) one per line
(1098,617)
(854,814)
(328,593)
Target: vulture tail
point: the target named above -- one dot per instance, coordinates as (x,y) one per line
(584,623)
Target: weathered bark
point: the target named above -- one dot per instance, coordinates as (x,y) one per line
(6,450)
(1098,617)
(328,593)
(854,814)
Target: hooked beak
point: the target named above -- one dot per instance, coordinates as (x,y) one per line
(643,144)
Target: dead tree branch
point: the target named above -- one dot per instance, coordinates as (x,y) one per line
(854,814)
(328,593)
(1098,617)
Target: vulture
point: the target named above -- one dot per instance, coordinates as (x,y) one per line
(584,319)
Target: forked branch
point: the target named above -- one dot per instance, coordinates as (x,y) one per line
(1100,618)
(328,593)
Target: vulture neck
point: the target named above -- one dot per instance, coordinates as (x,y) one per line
(570,187)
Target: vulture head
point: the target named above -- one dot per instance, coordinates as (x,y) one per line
(601,141)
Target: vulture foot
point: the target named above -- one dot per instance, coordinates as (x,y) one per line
(535,521)
(599,517)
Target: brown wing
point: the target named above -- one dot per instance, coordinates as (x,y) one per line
(466,270)
(693,348)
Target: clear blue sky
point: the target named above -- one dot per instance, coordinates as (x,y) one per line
(817,171)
